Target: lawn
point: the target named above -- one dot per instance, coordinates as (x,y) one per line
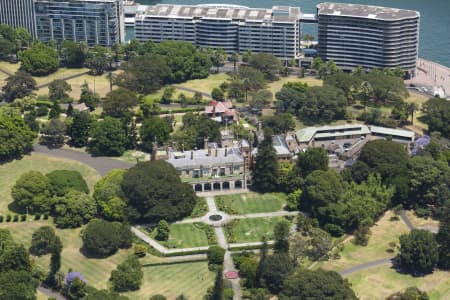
(98,83)
(251,230)
(188,235)
(9,67)
(421,222)
(250,203)
(384,232)
(3,77)
(205,85)
(419,100)
(156,96)
(96,271)
(200,208)
(275,86)
(190,279)
(382,281)
(59,74)
(10,172)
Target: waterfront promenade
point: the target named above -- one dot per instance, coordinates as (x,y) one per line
(432,75)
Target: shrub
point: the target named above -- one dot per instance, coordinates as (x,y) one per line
(158,297)
(423,212)
(162,231)
(1,219)
(215,255)
(8,218)
(45,216)
(15,218)
(37,217)
(140,250)
(42,111)
(334,230)
(128,275)
(61,181)
(23,218)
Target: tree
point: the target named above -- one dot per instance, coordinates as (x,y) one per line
(45,241)
(311,160)
(411,293)
(108,138)
(216,255)
(77,289)
(265,169)
(118,103)
(437,115)
(73,54)
(279,123)
(319,284)
(418,252)
(17,285)
(443,237)
(98,59)
(261,99)
(58,90)
(268,64)
(79,129)
(109,196)
(195,128)
(144,74)
(52,134)
(16,138)
(88,97)
(62,181)
(218,289)
(385,157)
(274,271)
(281,235)
(32,191)
(163,231)
(19,85)
(218,58)
(218,94)
(6,47)
(73,209)
(321,243)
(94,294)
(39,60)
(298,248)
(154,130)
(128,275)
(102,238)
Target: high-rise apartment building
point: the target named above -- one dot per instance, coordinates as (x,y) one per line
(18,13)
(230,27)
(355,35)
(96,22)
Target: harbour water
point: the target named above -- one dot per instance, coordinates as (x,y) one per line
(435,20)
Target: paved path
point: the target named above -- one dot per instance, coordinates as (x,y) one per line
(63,78)
(101,164)
(372,264)
(182,88)
(265,215)
(211,204)
(406,220)
(50,294)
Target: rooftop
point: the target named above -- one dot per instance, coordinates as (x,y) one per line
(306,134)
(221,11)
(392,132)
(197,158)
(365,11)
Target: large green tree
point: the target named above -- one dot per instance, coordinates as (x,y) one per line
(443,237)
(319,284)
(437,115)
(419,252)
(154,130)
(274,271)
(79,129)
(52,134)
(32,191)
(268,64)
(16,138)
(265,169)
(73,54)
(119,102)
(98,59)
(19,85)
(62,181)
(108,138)
(58,90)
(155,192)
(39,60)
(128,275)
(108,195)
(74,209)
(311,160)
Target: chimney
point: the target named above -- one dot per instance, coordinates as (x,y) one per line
(209,151)
(205,142)
(216,150)
(192,154)
(226,151)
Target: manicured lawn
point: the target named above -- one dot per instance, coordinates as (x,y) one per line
(59,74)
(157,95)
(99,83)
(11,171)
(200,208)
(250,203)
(9,67)
(96,271)
(184,236)
(384,232)
(380,282)
(277,85)
(190,279)
(206,85)
(251,230)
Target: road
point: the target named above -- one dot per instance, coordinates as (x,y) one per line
(372,264)
(101,164)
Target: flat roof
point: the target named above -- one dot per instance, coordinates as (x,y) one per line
(307,134)
(182,160)
(392,131)
(365,11)
(221,11)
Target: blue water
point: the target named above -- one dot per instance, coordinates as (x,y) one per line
(435,19)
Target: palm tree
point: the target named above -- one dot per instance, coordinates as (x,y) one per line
(234,58)
(366,93)
(412,107)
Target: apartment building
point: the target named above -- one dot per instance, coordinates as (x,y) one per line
(18,13)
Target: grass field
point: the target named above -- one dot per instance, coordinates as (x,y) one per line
(421,222)
(205,85)
(190,279)
(380,282)
(3,77)
(383,232)
(251,230)
(184,236)
(419,100)
(96,271)
(157,95)
(200,208)
(250,203)
(59,74)
(277,85)
(10,172)
(9,67)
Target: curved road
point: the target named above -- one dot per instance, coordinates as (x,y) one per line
(101,164)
